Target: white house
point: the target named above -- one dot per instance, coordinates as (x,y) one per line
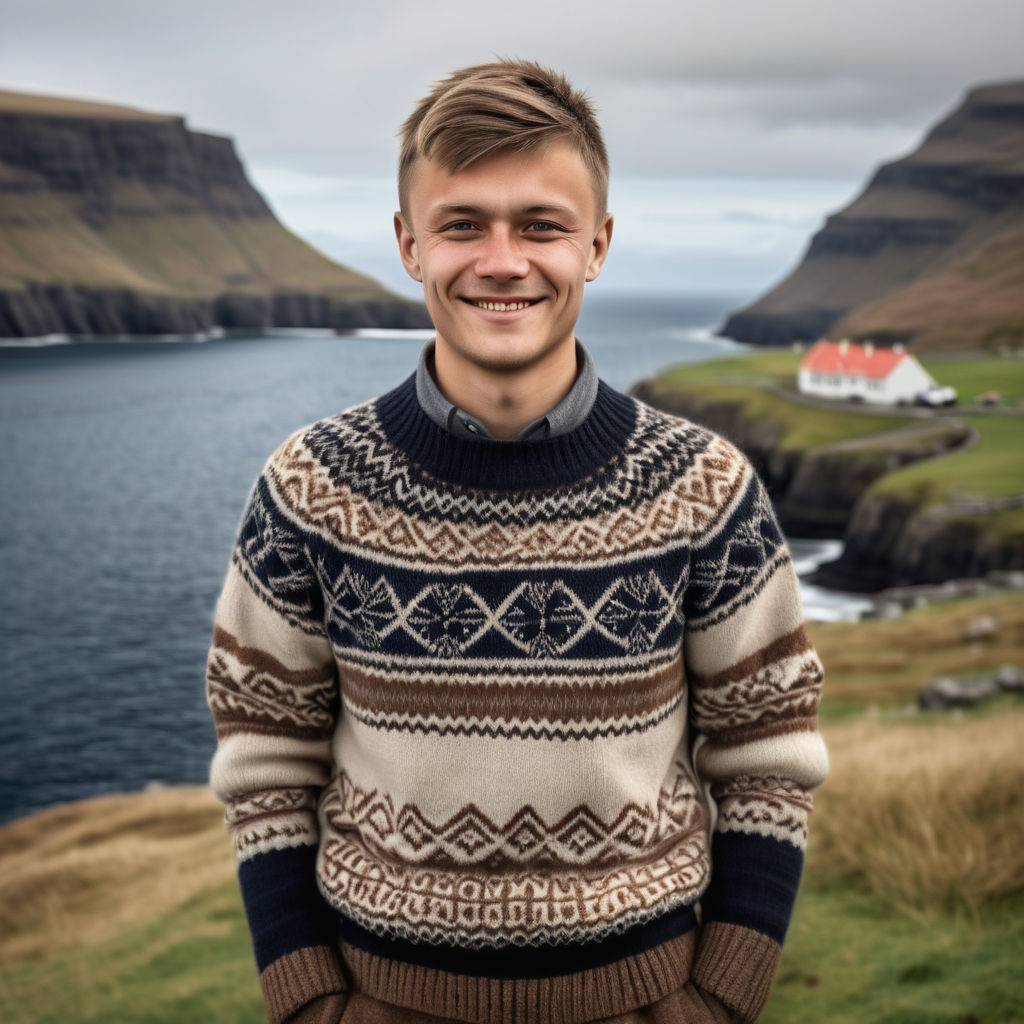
(847,371)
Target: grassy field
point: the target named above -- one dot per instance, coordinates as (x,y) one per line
(876,668)
(124,910)
(970,375)
(749,383)
(992,468)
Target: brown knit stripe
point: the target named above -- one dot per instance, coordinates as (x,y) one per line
(251,691)
(633,696)
(267,664)
(778,696)
(788,646)
(567,998)
(293,980)
(789,721)
(737,965)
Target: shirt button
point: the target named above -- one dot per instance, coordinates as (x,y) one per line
(471,427)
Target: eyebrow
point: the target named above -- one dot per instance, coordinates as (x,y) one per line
(537,210)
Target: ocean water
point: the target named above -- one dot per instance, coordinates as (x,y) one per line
(125,468)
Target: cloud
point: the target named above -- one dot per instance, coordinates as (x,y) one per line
(792,88)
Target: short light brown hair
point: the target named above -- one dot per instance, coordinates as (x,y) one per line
(485,109)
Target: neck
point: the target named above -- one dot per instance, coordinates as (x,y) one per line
(505,400)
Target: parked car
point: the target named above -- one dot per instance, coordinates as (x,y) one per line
(937,397)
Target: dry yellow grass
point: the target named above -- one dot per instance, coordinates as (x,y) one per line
(40,104)
(929,816)
(83,873)
(886,663)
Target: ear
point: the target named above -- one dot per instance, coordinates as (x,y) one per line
(407,247)
(599,247)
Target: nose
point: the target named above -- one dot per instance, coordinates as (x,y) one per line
(501,256)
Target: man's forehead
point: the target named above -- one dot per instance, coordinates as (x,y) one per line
(545,179)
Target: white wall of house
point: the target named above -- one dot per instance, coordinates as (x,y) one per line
(908,379)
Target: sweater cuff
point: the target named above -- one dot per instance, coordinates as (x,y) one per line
(737,965)
(291,982)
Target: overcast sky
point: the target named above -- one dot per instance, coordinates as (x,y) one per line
(757,118)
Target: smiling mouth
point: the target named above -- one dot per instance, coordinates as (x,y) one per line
(502,307)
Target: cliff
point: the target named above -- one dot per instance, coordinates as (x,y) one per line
(931,254)
(918,496)
(892,542)
(815,489)
(118,221)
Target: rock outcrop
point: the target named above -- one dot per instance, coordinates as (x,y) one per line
(890,542)
(931,254)
(117,221)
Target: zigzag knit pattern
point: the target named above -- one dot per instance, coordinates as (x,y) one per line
(509,693)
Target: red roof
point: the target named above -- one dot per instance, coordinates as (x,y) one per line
(852,360)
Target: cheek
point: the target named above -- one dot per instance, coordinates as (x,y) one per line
(439,268)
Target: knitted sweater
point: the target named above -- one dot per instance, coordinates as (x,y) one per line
(494,718)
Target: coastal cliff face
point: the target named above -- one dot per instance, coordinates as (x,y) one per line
(931,254)
(826,492)
(889,542)
(116,221)
(815,492)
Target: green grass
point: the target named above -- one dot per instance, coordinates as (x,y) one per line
(193,965)
(992,468)
(849,959)
(738,383)
(970,376)
(773,365)
(973,377)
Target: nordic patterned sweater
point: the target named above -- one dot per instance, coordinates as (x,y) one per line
(493,719)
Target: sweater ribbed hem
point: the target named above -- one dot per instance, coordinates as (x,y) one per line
(564,999)
(292,981)
(738,966)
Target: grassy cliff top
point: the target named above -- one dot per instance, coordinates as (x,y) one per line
(40,105)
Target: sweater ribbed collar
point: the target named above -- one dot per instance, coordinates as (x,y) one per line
(497,465)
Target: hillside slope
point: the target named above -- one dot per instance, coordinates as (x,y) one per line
(931,254)
(114,221)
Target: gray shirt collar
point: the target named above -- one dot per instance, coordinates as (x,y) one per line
(570,412)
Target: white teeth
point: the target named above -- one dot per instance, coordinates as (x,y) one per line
(501,307)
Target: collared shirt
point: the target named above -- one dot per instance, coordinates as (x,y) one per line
(565,417)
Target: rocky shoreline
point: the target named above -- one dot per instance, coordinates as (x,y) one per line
(42,310)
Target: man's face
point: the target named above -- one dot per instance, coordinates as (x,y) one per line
(503,249)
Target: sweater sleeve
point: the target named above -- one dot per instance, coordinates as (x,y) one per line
(272,690)
(755,683)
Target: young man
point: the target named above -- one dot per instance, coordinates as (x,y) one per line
(509,671)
